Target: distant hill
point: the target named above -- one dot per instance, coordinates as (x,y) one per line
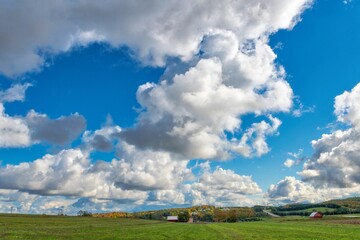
(337,206)
(353,203)
(207,213)
(203,213)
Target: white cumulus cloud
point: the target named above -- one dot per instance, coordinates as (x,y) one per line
(229,67)
(218,65)
(222,187)
(336,158)
(291,190)
(139,177)
(153,29)
(20,131)
(333,169)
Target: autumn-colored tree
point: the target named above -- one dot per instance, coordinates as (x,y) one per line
(184,216)
(219,215)
(232,215)
(245,212)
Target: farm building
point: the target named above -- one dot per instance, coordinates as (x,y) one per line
(316,215)
(172,218)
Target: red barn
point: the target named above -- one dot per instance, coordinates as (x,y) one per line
(316,215)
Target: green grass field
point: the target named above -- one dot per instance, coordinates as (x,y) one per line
(54,227)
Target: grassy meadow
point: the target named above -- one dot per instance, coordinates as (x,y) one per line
(56,227)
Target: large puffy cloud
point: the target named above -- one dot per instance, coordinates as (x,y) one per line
(71,172)
(223,187)
(48,175)
(154,29)
(19,131)
(149,170)
(336,158)
(335,162)
(192,110)
(139,177)
(222,179)
(333,170)
(67,173)
(291,190)
(15,201)
(59,131)
(229,69)
(22,202)
(166,197)
(190,114)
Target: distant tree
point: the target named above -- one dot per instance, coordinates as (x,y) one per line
(82,213)
(342,210)
(219,215)
(207,217)
(258,208)
(245,213)
(61,212)
(184,216)
(232,215)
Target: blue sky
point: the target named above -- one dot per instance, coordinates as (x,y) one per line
(174,105)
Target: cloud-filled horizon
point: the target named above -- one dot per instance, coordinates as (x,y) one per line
(130,105)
